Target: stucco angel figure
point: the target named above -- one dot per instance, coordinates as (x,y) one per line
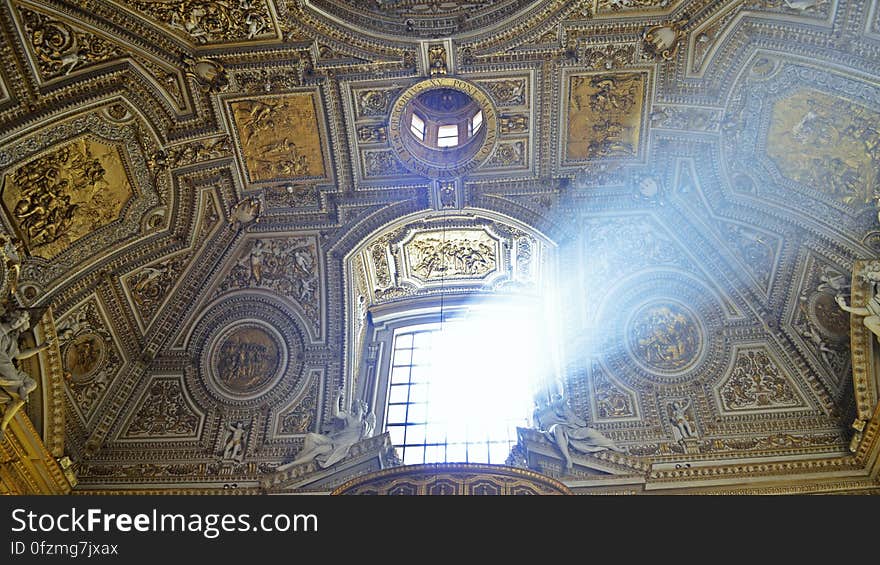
(871,310)
(558,422)
(15,384)
(332,447)
(234,449)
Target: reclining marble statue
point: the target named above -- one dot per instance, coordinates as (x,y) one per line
(332,447)
(15,384)
(569,432)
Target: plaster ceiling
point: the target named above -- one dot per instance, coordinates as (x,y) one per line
(703,171)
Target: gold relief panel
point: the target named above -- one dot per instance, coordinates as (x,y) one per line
(281,137)
(507,92)
(60,197)
(611,7)
(828,144)
(83,356)
(439,255)
(611,401)
(374,102)
(604,115)
(665,337)
(831,319)
(90,356)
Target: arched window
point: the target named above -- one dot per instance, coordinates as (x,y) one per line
(452,363)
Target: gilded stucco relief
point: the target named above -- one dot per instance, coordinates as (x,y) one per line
(604,115)
(829,144)
(757,383)
(60,48)
(611,400)
(288,266)
(302,416)
(90,356)
(280,137)
(149,287)
(164,411)
(665,337)
(756,250)
(62,196)
(456,254)
(209,21)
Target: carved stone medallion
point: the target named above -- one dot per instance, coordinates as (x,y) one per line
(246,359)
(664,337)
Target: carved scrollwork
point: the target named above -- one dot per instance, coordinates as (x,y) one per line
(212,21)
(60,48)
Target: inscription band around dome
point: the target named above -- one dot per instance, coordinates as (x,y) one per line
(461,164)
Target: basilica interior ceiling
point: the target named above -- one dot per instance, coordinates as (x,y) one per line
(214,195)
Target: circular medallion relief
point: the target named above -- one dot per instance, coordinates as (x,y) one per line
(247,359)
(664,337)
(83,356)
(443,127)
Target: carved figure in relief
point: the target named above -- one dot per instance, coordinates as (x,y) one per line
(307,289)
(146,280)
(328,449)
(255,25)
(255,261)
(814,127)
(258,119)
(234,449)
(682,423)
(11,250)
(558,422)
(15,384)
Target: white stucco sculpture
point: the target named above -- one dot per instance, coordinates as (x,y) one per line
(871,310)
(15,384)
(332,447)
(558,422)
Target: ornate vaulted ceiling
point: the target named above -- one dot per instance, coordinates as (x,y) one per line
(702,174)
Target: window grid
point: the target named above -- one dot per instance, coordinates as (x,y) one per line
(417,435)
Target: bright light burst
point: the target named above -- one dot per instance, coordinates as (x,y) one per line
(482,371)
